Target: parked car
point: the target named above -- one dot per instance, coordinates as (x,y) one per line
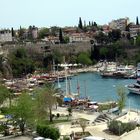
(93,138)
(41,138)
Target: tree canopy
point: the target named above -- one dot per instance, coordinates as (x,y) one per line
(80,25)
(21,63)
(84,59)
(45,100)
(22,111)
(43,32)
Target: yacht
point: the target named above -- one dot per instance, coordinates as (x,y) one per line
(124,72)
(134,88)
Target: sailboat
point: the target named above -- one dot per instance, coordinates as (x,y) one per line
(68,87)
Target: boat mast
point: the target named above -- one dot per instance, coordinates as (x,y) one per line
(78,86)
(58,83)
(66,79)
(69,84)
(53,66)
(85,89)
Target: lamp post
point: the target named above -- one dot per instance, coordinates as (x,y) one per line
(119,124)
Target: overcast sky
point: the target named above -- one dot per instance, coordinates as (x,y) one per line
(46,13)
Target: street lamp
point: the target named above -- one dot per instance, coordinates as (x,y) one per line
(119,124)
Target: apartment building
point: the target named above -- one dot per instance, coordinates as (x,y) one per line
(119,24)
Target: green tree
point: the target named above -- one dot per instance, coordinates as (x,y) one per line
(137,20)
(101,38)
(95,24)
(83,124)
(61,39)
(21,63)
(23,111)
(138,41)
(13,32)
(69,109)
(43,32)
(66,39)
(4,94)
(57,56)
(121,97)
(84,59)
(80,25)
(104,52)
(114,35)
(45,101)
(21,32)
(48,132)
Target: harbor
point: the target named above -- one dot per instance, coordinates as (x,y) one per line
(98,89)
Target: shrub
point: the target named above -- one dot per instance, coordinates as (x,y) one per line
(57,115)
(66,138)
(118,128)
(48,132)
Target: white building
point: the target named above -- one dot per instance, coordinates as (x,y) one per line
(5,36)
(78,37)
(119,24)
(134,30)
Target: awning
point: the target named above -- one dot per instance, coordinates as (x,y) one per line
(66,99)
(93,106)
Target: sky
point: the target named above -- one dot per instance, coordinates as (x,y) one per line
(46,13)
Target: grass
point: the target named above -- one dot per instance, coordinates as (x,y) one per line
(107,106)
(81,135)
(58,120)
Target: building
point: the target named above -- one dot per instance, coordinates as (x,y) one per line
(119,24)
(33,32)
(78,37)
(105,29)
(134,30)
(5,35)
(69,30)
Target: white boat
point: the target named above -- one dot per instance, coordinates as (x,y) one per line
(134,88)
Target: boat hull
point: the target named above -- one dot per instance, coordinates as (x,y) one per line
(134,90)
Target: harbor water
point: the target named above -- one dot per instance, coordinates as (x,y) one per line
(102,90)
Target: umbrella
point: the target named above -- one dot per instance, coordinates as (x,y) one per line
(2,116)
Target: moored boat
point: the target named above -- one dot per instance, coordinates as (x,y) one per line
(121,72)
(134,88)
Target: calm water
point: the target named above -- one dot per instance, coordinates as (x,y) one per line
(99,89)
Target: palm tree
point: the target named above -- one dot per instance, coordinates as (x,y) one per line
(122,98)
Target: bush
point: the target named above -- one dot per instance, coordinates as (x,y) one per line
(48,132)
(118,128)
(57,115)
(66,138)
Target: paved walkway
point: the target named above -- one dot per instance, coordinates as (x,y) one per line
(21,138)
(133,135)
